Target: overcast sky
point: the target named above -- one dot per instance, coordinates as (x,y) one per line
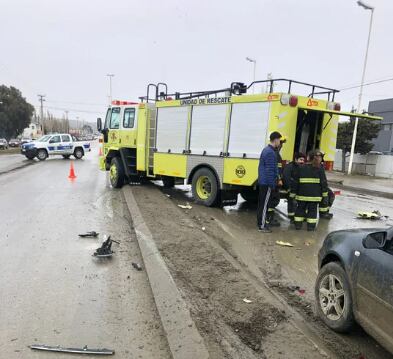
(64,49)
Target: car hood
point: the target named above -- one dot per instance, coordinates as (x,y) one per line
(31,144)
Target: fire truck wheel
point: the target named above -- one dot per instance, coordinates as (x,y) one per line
(116,173)
(168,182)
(205,187)
(250,195)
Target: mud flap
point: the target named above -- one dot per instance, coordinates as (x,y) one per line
(228,198)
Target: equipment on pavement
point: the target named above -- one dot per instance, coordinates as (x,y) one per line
(106,249)
(72,175)
(213,139)
(89,234)
(84,350)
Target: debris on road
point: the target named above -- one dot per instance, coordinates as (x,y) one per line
(296,288)
(84,350)
(370,215)
(106,249)
(284,244)
(248,301)
(89,234)
(187,206)
(203,228)
(136,266)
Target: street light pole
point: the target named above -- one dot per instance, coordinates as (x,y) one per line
(355,130)
(110,88)
(255,66)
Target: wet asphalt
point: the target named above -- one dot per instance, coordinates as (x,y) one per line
(53,291)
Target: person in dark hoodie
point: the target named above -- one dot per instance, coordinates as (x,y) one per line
(267,180)
(288,177)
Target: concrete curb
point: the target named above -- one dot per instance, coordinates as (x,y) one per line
(362,190)
(182,335)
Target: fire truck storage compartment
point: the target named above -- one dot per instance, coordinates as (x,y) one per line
(248,131)
(172,129)
(208,129)
(308,130)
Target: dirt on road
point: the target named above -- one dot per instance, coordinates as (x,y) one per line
(239,314)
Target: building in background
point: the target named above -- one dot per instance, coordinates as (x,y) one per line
(33,132)
(384,108)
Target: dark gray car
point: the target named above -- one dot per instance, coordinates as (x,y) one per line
(355,282)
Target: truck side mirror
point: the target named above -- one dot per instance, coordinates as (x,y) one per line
(375,240)
(99,124)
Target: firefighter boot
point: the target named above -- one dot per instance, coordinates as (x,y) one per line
(325,215)
(311,227)
(273,222)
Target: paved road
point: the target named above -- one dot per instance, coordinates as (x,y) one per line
(52,290)
(14,161)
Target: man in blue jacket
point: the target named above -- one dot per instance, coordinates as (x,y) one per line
(267,179)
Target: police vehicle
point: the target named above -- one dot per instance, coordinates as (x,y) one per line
(63,144)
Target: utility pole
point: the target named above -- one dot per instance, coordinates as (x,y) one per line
(41,99)
(110,88)
(67,122)
(355,129)
(254,70)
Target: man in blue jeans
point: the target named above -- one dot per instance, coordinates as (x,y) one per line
(267,180)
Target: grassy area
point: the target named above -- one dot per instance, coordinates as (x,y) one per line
(10,151)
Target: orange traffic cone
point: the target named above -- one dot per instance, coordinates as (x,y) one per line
(72,176)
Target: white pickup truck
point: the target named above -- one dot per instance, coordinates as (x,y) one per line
(57,144)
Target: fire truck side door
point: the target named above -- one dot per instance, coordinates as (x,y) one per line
(129,126)
(114,126)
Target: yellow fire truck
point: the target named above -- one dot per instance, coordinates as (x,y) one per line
(213,139)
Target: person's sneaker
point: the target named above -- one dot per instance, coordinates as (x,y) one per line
(264,230)
(326,215)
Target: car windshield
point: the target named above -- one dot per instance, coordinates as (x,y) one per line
(44,139)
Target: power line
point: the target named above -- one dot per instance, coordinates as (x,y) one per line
(366,84)
(73,110)
(78,103)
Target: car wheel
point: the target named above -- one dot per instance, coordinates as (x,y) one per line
(78,153)
(66,156)
(333,298)
(42,155)
(116,173)
(205,187)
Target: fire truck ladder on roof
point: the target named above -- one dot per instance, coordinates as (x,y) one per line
(159,92)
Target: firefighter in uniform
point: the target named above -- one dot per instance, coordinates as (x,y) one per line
(327,198)
(289,174)
(309,185)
